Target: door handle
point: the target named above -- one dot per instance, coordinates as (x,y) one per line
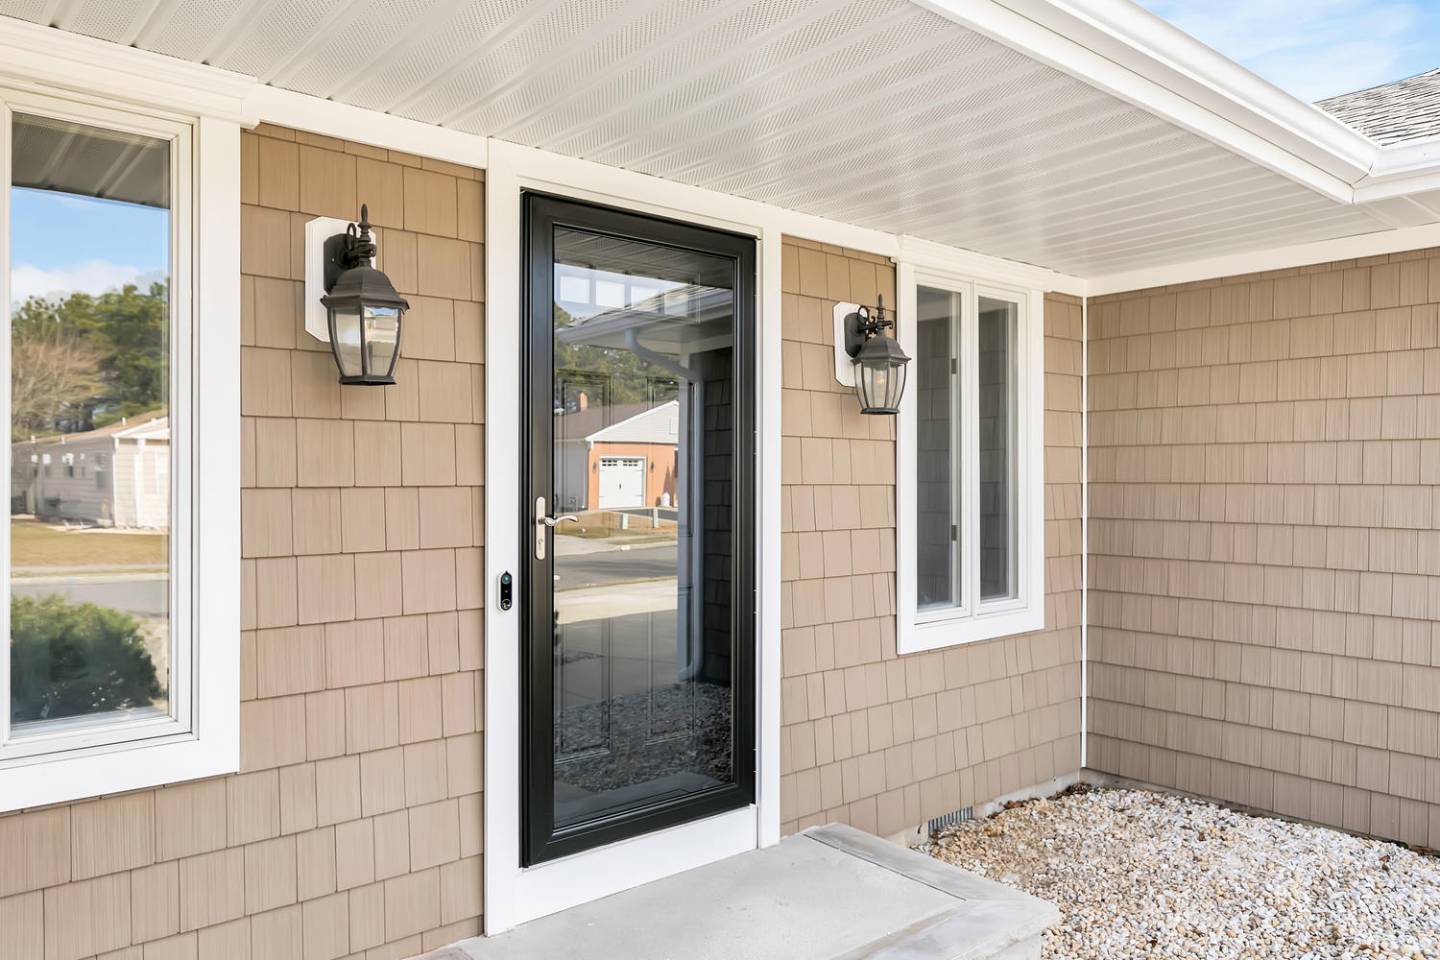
(544,522)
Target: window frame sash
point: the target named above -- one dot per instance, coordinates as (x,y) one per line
(974,619)
(102,732)
(962,401)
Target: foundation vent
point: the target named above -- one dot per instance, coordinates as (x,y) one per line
(950,819)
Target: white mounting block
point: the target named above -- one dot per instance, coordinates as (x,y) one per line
(317,231)
(844,365)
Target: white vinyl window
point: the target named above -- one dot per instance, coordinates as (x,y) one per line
(104,654)
(970,548)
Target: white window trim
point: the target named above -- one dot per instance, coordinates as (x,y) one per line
(201,735)
(969,622)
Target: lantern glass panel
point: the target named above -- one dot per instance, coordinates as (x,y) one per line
(345,338)
(880,384)
(382,338)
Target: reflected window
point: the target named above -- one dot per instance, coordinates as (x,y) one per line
(90,635)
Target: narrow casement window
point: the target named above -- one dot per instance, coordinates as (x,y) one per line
(100,637)
(969,497)
(938,582)
(995,348)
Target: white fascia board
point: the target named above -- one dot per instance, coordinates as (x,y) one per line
(1402,170)
(1276,258)
(36,57)
(300,111)
(1130,54)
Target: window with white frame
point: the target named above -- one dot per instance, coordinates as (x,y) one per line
(102,646)
(970,549)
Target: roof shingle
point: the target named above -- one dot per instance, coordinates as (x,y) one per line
(1397,112)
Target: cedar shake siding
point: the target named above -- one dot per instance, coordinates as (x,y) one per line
(870,738)
(1265,541)
(353,827)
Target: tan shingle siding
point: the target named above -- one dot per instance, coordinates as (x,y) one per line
(1265,562)
(869,738)
(281,859)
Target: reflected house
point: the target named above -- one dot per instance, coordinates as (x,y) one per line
(113,476)
(685,332)
(581,414)
(641,654)
(635,463)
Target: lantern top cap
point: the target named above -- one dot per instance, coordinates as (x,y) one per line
(365,285)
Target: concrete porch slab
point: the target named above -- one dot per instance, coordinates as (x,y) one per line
(830,893)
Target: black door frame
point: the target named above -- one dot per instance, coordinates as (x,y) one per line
(542,214)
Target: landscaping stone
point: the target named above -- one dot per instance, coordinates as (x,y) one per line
(1143,874)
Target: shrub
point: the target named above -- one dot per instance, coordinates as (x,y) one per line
(74,659)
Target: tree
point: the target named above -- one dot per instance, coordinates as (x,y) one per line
(52,373)
(613,376)
(97,358)
(70,660)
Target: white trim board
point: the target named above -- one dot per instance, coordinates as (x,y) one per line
(32,54)
(299,111)
(514,894)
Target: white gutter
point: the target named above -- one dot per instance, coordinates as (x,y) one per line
(1137,57)
(1133,55)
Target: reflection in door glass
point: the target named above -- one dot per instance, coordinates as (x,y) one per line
(643,366)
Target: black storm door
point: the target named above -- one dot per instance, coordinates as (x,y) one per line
(638,519)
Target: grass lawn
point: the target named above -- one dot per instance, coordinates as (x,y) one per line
(35,544)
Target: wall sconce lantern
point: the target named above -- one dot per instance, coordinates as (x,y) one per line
(875,361)
(363,310)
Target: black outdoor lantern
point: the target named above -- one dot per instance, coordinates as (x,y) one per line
(364,309)
(879,361)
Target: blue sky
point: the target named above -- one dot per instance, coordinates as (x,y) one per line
(63,243)
(1316,48)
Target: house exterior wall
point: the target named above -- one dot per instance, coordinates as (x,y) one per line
(79,497)
(661,463)
(1265,541)
(870,738)
(353,827)
(140,481)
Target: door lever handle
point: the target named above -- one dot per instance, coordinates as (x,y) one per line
(553,521)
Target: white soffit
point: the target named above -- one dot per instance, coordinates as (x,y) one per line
(879,113)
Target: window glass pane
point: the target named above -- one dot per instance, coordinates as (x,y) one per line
(89,391)
(643,461)
(998,323)
(937,479)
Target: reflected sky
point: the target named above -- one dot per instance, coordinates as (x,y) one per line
(62,243)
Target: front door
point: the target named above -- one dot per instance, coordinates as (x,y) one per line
(638,519)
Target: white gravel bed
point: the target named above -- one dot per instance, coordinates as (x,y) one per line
(1140,874)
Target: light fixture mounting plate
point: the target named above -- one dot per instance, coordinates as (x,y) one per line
(317,231)
(844,332)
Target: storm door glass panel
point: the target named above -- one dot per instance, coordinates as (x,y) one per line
(937,467)
(998,325)
(646,660)
(89,610)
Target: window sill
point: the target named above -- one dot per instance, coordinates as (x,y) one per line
(937,634)
(135,765)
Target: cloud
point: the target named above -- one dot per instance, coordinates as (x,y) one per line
(90,276)
(1314,48)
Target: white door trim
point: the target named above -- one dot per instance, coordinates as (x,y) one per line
(514,894)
